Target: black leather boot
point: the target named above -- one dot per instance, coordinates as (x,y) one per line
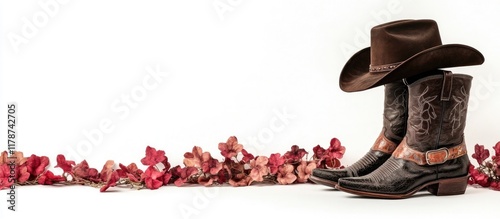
(433,154)
(394,129)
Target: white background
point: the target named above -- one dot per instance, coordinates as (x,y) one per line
(261,70)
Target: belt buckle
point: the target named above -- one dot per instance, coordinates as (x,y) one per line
(429,162)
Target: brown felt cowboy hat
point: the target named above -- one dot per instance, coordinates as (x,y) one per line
(402,49)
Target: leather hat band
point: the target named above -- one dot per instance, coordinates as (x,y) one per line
(383,68)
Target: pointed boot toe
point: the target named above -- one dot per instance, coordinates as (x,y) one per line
(394,129)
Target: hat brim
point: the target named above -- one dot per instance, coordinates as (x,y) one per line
(356,77)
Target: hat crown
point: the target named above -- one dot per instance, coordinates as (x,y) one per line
(399,40)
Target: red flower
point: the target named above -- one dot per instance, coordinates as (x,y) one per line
(48,178)
(285,174)
(131,172)
(181,175)
(477,177)
(111,182)
(5,182)
(329,158)
(295,155)
(275,160)
(259,168)
(305,170)
(166,178)
(246,156)
(480,154)
(336,150)
(222,176)
(209,164)
(65,165)
(36,165)
(153,157)
(193,159)
(496,158)
(153,178)
(231,148)
(495,185)
(318,152)
(83,171)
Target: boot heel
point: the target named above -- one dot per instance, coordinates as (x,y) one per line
(454,186)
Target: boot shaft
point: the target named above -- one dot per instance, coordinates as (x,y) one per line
(437,111)
(395,110)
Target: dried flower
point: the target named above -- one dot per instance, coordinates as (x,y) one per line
(238,168)
(65,165)
(231,148)
(259,168)
(285,174)
(305,170)
(487,174)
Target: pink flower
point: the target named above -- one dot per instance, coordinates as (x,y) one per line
(4,158)
(285,174)
(193,159)
(107,170)
(22,174)
(259,168)
(305,170)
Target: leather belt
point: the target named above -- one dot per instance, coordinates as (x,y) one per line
(431,157)
(383,144)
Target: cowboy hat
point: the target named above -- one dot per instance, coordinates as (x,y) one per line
(402,49)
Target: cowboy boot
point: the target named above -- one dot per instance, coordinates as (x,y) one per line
(432,154)
(394,129)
